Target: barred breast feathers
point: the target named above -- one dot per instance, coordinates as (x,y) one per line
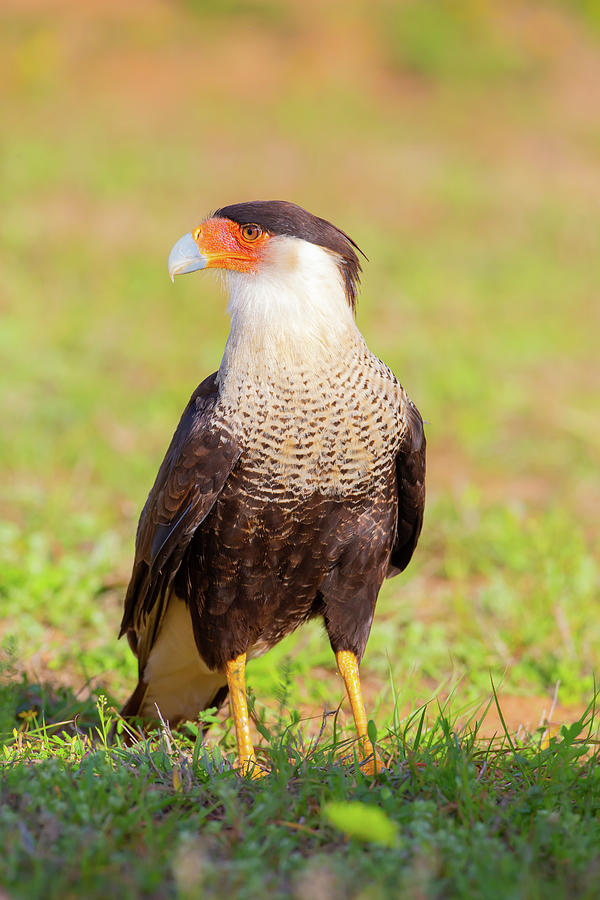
(309,403)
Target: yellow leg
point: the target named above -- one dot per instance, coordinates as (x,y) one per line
(235,670)
(348,667)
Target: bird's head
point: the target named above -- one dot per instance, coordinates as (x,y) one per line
(270,238)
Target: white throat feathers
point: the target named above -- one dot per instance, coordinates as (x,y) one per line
(292,313)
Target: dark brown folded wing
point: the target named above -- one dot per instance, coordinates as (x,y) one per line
(410,480)
(196,466)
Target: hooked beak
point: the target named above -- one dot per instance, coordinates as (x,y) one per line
(185,257)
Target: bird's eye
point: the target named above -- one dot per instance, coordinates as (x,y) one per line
(251,232)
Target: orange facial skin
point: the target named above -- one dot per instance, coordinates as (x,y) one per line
(227,245)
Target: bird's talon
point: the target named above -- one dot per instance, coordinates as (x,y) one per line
(250,768)
(372,764)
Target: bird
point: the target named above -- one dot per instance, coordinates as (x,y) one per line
(294,483)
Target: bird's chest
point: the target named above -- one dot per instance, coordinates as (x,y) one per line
(334,436)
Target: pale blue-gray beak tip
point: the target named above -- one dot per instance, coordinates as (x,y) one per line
(185,257)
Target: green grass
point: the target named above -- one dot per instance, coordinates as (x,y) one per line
(460,147)
(451,816)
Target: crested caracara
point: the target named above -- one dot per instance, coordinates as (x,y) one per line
(294,483)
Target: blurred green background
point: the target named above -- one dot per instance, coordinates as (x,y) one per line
(459,144)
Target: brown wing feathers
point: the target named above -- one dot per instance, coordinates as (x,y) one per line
(193,472)
(410,480)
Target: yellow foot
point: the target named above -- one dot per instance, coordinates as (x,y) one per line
(246,764)
(249,768)
(369,761)
(371,764)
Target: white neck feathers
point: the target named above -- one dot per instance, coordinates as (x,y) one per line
(292,313)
